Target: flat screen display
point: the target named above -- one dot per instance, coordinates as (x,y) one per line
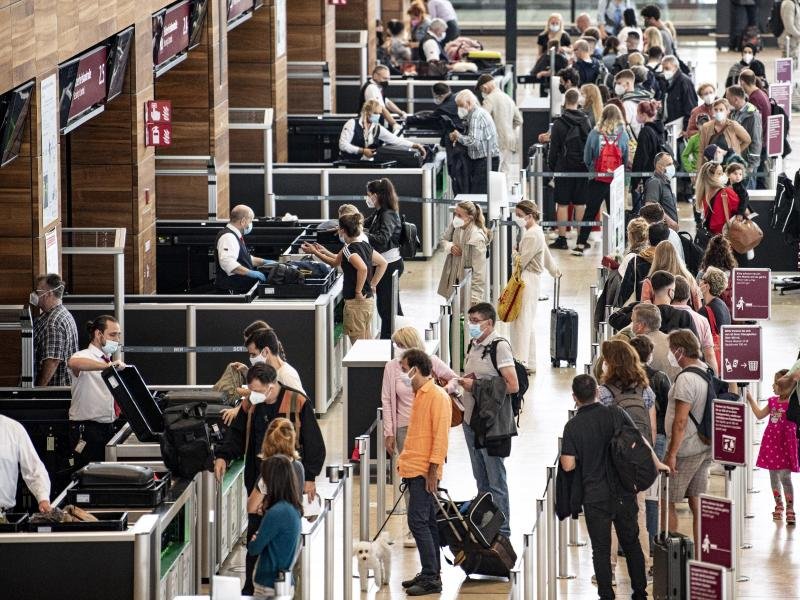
(15,106)
(198,21)
(170,32)
(238,7)
(118,55)
(82,82)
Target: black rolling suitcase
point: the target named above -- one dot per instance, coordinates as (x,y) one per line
(671,553)
(563,332)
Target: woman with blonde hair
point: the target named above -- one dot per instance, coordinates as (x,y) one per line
(652,38)
(464,242)
(554,30)
(592,102)
(397,396)
(637,241)
(362,135)
(666,259)
(280,438)
(533,256)
(711,190)
(610,129)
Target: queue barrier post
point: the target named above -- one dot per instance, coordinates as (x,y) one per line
(363,483)
(496,258)
(381,466)
(563,533)
(444,333)
(330,536)
(305,566)
(751,424)
(573,540)
(592,307)
(541,551)
(347,534)
(552,542)
(455,329)
(538,182)
(528,566)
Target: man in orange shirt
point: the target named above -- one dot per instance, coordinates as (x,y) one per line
(420,466)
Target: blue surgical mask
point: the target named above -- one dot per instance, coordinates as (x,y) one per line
(248,229)
(475,330)
(110,347)
(341,239)
(373,118)
(670,171)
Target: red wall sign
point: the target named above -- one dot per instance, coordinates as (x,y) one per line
(158,111)
(729,438)
(90,82)
(783,70)
(158,119)
(237,7)
(752,294)
(171,32)
(716,531)
(706,582)
(740,353)
(775,135)
(158,134)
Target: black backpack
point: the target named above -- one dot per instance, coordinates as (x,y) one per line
(186,442)
(409,239)
(518,397)
(777,109)
(632,402)
(785,211)
(282,274)
(716,389)
(630,455)
(775,22)
(574,143)
(692,253)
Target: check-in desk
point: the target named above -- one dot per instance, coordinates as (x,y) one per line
(535,120)
(155,558)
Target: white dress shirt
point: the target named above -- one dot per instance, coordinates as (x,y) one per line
(91,400)
(375,130)
(287,375)
(228,249)
(431,50)
(17,454)
(374,92)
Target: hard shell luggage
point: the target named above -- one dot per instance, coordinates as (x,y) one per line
(671,553)
(174,397)
(563,332)
(405,156)
(137,403)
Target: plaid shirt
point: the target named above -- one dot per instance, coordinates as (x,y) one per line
(55,335)
(480,128)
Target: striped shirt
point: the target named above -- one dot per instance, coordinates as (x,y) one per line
(480,129)
(55,335)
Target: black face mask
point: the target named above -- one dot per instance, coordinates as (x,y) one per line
(384,84)
(562,88)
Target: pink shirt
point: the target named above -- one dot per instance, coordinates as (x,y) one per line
(397,397)
(701,324)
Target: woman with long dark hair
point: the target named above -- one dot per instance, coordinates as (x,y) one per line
(383,228)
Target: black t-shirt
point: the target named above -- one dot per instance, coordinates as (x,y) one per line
(364,250)
(721,313)
(586,437)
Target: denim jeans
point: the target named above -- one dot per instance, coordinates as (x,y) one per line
(652,506)
(599,517)
(422,523)
(490,476)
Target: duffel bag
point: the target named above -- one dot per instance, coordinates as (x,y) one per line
(186,443)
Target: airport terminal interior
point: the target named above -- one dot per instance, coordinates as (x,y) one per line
(189,168)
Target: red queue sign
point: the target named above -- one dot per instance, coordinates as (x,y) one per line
(706,582)
(740,353)
(751,297)
(729,438)
(90,82)
(716,531)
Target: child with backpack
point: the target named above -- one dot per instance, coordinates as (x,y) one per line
(606,149)
(778,452)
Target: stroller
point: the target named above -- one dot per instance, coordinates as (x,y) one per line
(471,530)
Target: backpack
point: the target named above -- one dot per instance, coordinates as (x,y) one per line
(608,160)
(630,455)
(692,253)
(632,402)
(777,109)
(518,397)
(282,274)
(574,143)
(186,442)
(409,239)
(785,212)
(775,22)
(716,389)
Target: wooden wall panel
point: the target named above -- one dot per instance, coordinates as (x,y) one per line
(6,58)
(394,9)
(16,265)
(311,34)
(359,14)
(23,41)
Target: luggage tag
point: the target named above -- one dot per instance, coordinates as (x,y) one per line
(51,442)
(81,442)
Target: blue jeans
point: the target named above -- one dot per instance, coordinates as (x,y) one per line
(651,506)
(490,476)
(422,523)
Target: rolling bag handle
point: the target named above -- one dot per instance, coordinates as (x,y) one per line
(663,504)
(557,292)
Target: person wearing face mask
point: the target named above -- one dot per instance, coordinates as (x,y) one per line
(711,190)
(263,346)
(658,188)
(92,410)
(687,456)
(681,97)
(375,89)
(554,30)
(747,115)
(748,61)
(652,18)
(707,93)
(269,400)
(361,136)
(464,243)
(507,120)
(55,335)
(610,13)
(588,67)
(236,267)
(420,20)
(397,395)
(684,289)
(625,89)
(431,48)
(443,9)
(383,228)
(724,131)
(757,97)
(480,140)
(534,257)
(540,73)
(712,284)
(649,141)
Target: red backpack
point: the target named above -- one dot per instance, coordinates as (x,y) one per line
(608,160)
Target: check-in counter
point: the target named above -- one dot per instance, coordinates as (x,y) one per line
(773,252)
(155,558)
(535,120)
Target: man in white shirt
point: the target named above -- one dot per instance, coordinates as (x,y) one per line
(236,272)
(17,455)
(375,89)
(443,9)
(263,347)
(507,120)
(432,45)
(92,411)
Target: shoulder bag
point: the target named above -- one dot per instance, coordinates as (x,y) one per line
(510,303)
(743,234)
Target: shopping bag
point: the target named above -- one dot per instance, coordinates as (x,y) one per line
(510,302)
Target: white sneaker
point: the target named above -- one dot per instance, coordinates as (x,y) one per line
(409,541)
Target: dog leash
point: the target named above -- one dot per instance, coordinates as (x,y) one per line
(402,488)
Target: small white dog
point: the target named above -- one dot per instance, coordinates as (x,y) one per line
(373,556)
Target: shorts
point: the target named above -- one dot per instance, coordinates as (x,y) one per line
(262,592)
(570,190)
(691,478)
(358,316)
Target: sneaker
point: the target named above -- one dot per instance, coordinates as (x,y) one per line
(409,541)
(560,244)
(578,249)
(409,582)
(613,580)
(425,586)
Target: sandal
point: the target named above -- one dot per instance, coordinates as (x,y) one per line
(790,518)
(777,514)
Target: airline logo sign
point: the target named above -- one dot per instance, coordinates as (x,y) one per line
(158,123)
(90,82)
(237,7)
(171,29)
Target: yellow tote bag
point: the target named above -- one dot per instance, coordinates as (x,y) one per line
(510,302)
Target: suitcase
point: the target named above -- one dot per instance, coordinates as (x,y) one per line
(174,397)
(137,403)
(671,554)
(114,474)
(405,156)
(563,332)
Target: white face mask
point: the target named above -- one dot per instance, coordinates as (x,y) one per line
(555,27)
(437,100)
(708,99)
(619,89)
(723,179)
(747,59)
(720,116)
(110,347)
(458,221)
(669,75)
(370,202)
(519,221)
(581,100)
(462,112)
(259,358)
(33,299)
(398,351)
(670,171)
(257,398)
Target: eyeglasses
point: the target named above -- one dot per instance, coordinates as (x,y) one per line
(477,321)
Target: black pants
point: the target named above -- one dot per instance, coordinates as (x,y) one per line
(623,514)
(597,192)
(384,298)
(422,523)
(253,523)
(477,174)
(95,435)
(741,18)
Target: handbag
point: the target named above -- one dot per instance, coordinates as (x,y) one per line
(510,303)
(703,234)
(743,234)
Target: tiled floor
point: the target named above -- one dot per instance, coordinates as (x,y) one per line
(773,563)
